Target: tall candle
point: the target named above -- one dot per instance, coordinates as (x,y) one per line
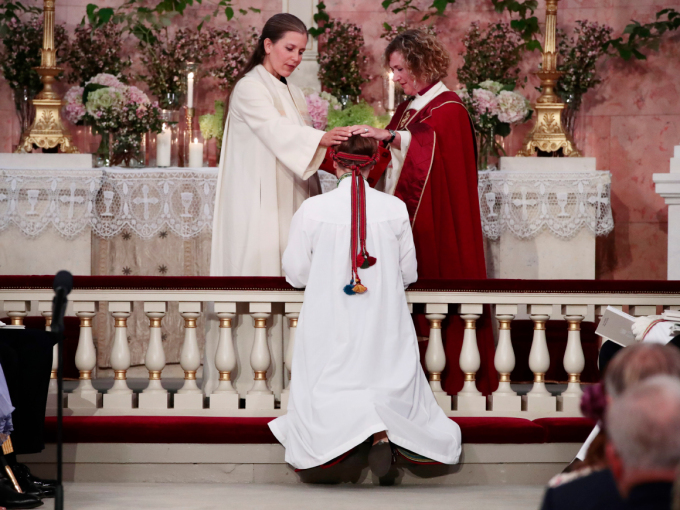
(190,90)
(196,154)
(164,146)
(390,92)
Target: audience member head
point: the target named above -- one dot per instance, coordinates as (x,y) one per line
(643,425)
(638,362)
(356,145)
(417,59)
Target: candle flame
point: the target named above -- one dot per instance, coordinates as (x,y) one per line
(391,75)
(195,140)
(191,75)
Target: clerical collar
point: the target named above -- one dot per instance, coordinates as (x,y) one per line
(426,89)
(283,80)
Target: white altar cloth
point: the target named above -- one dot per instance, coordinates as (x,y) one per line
(110,201)
(529,203)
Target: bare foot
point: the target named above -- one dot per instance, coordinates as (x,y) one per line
(379,436)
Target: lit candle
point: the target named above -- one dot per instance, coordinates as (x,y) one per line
(195,154)
(390,92)
(190,90)
(163,146)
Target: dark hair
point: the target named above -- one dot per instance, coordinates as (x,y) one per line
(274,29)
(356,144)
(426,58)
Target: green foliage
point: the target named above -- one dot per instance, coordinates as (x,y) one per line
(641,37)
(212,124)
(361,113)
(526,24)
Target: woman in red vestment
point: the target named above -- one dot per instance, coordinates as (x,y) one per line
(434,171)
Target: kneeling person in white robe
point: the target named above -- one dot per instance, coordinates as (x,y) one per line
(356,371)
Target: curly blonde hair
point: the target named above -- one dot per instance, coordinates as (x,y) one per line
(426,58)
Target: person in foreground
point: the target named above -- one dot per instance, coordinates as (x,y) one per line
(592,486)
(356,371)
(643,450)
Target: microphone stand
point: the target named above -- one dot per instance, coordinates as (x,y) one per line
(58,309)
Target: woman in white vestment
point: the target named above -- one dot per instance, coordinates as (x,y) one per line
(356,368)
(270,156)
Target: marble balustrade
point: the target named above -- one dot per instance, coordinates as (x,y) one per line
(257,306)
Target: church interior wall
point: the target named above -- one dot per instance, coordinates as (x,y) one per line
(630,123)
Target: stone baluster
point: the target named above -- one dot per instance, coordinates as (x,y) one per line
(435,356)
(539,398)
(154,396)
(225,396)
(260,396)
(470,399)
(16,311)
(574,360)
(85,396)
(45,309)
(120,396)
(190,396)
(504,399)
(292,311)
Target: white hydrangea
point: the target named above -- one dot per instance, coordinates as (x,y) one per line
(492,86)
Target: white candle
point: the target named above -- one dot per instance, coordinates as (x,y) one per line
(190,90)
(390,92)
(196,154)
(164,146)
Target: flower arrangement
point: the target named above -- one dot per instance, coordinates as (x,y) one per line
(493,54)
(111,106)
(318,106)
(212,124)
(95,50)
(165,59)
(579,55)
(232,51)
(390,32)
(341,59)
(494,108)
(327,112)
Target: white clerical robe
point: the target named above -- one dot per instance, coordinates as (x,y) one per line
(269,153)
(356,368)
(393,171)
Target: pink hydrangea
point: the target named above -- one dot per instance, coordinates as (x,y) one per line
(137,96)
(107,80)
(512,107)
(485,102)
(74,109)
(318,110)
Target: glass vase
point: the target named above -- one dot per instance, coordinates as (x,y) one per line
(23,101)
(121,150)
(166,143)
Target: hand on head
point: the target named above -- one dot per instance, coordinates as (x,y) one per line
(370,132)
(336,136)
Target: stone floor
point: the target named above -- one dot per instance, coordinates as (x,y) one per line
(81,496)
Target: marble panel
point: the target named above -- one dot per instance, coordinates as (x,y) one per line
(633,251)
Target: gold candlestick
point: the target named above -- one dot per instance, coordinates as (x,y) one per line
(47,130)
(548,135)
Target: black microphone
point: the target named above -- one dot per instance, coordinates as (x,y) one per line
(63,283)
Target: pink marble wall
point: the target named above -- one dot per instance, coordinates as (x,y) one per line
(630,122)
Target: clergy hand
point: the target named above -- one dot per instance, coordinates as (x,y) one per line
(371,132)
(336,136)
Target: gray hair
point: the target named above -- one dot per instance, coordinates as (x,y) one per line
(643,424)
(639,362)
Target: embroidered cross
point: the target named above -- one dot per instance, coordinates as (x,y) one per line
(405,119)
(72,199)
(523,203)
(146,200)
(599,199)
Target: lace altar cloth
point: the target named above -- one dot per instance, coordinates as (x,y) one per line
(111,201)
(528,203)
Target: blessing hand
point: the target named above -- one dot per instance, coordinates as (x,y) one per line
(371,132)
(336,136)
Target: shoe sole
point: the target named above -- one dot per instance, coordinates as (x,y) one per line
(380,459)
